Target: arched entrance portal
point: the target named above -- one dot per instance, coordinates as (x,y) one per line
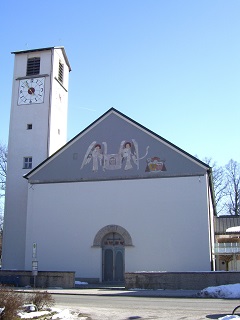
(113,258)
(113,239)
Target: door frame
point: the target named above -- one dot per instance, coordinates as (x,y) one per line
(115,250)
(98,242)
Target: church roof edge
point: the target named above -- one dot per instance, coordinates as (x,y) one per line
(158,136)
(208,168)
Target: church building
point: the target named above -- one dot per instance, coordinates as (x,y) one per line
(116,198)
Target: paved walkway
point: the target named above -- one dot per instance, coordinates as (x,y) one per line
(123,292)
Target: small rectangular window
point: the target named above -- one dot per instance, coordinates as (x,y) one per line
(75,156)
(29,126)
(33,66)
(27,162)
(60,71)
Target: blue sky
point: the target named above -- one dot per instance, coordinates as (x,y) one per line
(173,65)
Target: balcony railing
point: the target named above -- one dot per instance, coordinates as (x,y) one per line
(227,248)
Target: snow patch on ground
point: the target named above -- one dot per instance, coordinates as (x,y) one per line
(230,291)
(57,314)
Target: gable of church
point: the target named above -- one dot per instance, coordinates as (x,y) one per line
(116,147)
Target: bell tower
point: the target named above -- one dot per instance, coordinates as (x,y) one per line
(38,128)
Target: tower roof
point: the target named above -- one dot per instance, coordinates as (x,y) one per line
(45,49)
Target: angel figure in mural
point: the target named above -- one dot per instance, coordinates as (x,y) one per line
(127,156)
(129,153)
(93,153)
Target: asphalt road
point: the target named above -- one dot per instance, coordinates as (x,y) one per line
(131,308)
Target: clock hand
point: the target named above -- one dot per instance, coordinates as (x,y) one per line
(30,90)
(26,84)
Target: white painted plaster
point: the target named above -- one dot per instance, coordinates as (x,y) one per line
(166,218)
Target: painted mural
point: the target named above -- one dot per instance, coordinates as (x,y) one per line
(155,164)
(127,157)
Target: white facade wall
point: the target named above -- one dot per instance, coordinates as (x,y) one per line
(48,134)
(22,143)
(59,104)
(167,219)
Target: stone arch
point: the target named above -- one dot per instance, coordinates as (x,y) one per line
(97,242)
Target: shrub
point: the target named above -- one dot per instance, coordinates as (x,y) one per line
(40,299)
(11,301)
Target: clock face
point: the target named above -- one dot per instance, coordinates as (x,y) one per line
(31,91)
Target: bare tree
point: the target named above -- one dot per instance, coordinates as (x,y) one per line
(232,191)
(3,174)
(3,168)
(1,232)
(219,185)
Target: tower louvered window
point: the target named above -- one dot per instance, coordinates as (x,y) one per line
(33,66)
(60,71)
